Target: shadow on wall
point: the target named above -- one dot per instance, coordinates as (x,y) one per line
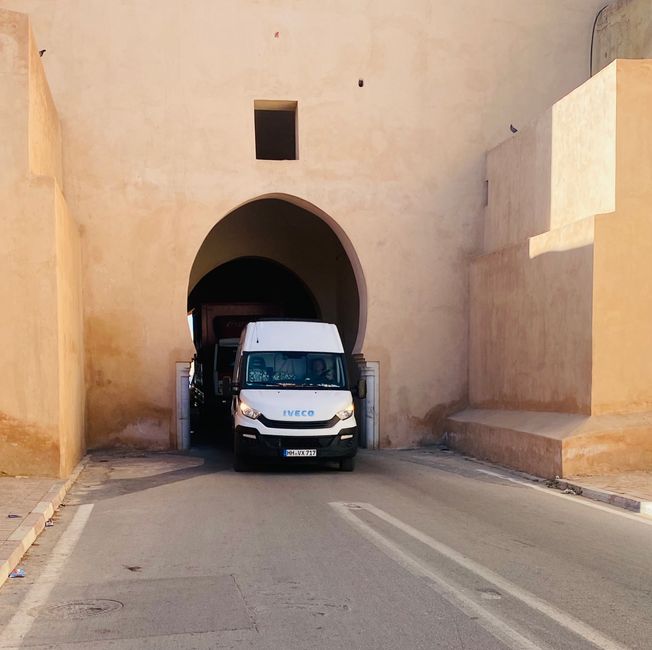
(531,330)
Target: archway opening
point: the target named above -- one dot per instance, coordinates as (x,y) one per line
(255,280)
(267,258)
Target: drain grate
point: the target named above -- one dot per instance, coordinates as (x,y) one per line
(81,609)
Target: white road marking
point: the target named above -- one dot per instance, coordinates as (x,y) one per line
(455,596)
(570,497)
(562,618)
(22,621)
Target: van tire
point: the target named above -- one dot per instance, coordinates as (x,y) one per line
(347,464)
(239,464)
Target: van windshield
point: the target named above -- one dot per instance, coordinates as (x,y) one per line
(309,370)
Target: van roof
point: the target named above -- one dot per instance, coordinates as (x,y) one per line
(291,336)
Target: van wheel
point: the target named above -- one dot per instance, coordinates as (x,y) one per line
(239,464)
(347,464)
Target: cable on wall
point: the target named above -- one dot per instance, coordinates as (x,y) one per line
(595,23)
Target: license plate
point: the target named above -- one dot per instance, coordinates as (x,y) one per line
(301,453)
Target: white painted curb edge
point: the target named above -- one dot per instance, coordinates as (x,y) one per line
(605,496)
(12,551)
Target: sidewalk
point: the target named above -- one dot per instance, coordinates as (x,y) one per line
(34,500)
(631,490)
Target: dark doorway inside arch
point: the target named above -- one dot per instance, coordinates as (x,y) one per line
(221,304)
(268,258)
(256,280)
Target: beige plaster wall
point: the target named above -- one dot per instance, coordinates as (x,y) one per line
(559,170)
(623,31)
(72,390)
(156,105)
(14,107)
(623,267)
(41,390)
(574,335)
(583,160)
(29,431)
(531,293)
(44,128)
(530,329)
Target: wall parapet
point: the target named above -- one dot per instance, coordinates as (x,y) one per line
(558,170)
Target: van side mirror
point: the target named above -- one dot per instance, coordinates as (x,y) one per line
(360,391)
(235,389)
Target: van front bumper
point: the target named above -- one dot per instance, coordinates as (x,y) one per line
(251,442)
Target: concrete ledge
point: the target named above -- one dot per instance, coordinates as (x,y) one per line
(516,439)
(12,550)
(553,444)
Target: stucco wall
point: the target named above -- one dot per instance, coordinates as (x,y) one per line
(531,330)
(532,292)
(72,390)
(623,269)
(156,103)
(44,128)
(29,432)
(14,107)
(559,170)
(41,390)
(561,321)
(623,31)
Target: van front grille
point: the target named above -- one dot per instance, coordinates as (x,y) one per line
(297,442)
(298,424)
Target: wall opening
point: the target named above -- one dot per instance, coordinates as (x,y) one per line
(275,125)
(267,258)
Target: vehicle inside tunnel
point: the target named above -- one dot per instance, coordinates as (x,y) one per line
(267,259)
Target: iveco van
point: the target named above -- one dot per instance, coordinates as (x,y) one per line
(291,396)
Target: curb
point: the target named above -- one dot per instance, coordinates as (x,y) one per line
(632,504)
(12,551)
(567,486)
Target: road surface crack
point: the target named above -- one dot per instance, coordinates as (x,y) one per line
(250,610)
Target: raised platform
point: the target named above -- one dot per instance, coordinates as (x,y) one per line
(554,444)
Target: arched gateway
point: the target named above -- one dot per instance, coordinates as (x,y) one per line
(274,256)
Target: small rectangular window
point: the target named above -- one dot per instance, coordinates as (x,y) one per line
(276,129)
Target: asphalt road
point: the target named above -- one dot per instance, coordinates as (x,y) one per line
(412,550)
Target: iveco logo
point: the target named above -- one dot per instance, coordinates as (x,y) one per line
(299,414)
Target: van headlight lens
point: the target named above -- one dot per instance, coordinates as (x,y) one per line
(248,412)
(346,413)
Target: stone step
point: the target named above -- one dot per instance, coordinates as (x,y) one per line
(553,444)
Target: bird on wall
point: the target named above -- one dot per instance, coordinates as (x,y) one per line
(513,129)
(41,52)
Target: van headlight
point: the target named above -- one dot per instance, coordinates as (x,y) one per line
(346,413)
(248,412)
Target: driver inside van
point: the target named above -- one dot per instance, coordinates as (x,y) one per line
(319,371)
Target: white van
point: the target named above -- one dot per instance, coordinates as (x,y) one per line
(291,396)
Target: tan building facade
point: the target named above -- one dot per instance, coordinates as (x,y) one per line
(145,179)
(560,372)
